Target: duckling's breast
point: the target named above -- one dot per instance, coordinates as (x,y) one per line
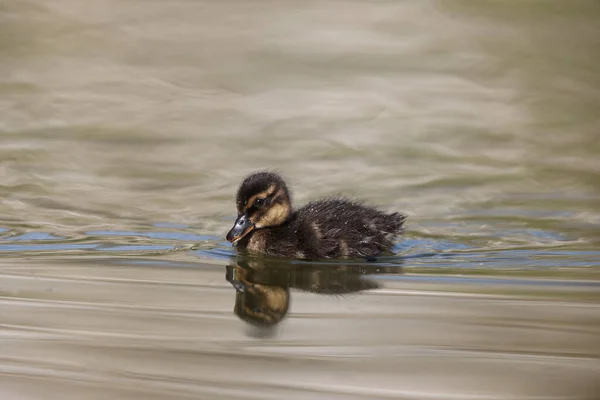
(258,241)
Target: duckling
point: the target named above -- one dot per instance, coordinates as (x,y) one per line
(327,228)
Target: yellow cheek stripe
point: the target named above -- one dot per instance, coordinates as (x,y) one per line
(276,215)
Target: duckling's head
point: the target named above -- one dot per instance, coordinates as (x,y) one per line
(262,305)
(262,201)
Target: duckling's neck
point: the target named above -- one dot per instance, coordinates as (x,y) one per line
(271,238)
(257,240)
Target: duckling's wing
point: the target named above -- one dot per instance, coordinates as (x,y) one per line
(346,228)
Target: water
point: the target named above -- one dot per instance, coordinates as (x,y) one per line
(127,126)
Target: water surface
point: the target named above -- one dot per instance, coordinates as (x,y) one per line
(127,126)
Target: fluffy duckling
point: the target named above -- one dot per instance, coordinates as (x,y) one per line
(328,228)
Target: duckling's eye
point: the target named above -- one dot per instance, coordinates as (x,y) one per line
(260,203)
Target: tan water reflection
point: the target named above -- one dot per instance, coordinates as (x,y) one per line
(263,286)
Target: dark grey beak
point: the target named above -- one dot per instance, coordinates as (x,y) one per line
(241,228)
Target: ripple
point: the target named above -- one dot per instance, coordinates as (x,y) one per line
(127,126)
(137,327)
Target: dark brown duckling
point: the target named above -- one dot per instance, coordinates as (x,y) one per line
(327,228)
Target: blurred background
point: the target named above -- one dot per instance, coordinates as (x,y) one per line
(126,126)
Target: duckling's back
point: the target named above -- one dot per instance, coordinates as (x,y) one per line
(342,228)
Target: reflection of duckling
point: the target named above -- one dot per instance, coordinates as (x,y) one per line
(329,228)
(262,286)
(259,304)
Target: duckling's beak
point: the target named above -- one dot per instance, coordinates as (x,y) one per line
(241,228)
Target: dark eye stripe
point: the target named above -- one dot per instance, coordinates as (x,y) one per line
(264,194)
(260,203)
